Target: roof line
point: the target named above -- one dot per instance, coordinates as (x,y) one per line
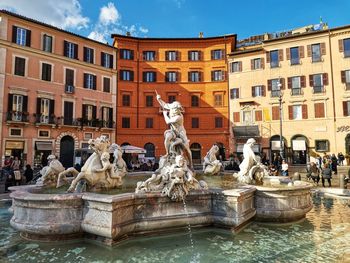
(171,39)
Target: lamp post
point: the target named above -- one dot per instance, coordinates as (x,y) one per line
(279,84)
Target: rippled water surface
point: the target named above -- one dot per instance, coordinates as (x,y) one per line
(324,236)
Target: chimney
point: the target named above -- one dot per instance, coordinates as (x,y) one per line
(128,33)
(200,34)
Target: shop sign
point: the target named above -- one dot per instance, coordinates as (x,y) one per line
(14,145)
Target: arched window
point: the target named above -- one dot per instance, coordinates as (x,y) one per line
(151,149)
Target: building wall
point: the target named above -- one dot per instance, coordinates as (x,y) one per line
(34,87)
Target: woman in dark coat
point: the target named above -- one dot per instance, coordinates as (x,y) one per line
(326,174)
(28,173)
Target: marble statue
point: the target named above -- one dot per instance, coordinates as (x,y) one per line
(252,171)
(49,173)
(211,165)
(174,177)
(98,172)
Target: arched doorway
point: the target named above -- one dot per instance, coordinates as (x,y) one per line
(221,155)
(347,144)
(196,153)
(300,149)
(275,146)
(67,151)
(151,150)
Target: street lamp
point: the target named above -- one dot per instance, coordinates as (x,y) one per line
(279,85)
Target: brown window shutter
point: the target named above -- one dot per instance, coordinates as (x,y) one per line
(283,83)
(280,55)
(345,108)
(178,55)
(166,55)
(343,77)
(304,111)
(309,54)
(269,85)
(253,93)
(341,45)
(325,78)
(189,55)
(237,93)
(240,66)
(236,117)
(262,63)
(200,55)
(258,115)
(275,112)
(223,54)
(289,83)
(288,53)
(311,80)
(303,81)
(290,112)
(319,110)
(200,76)
(263,90)
(212,54)
(252,64)
(267,56)
(323,48)
(301,52)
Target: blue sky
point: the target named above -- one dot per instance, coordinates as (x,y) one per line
(181,18)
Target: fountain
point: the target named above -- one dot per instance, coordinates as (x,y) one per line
(157,204)
(210,164)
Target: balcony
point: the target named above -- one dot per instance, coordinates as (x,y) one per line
(69,89)
(275,93)
(106,124)
(318,89)
(89,123)
(296,91)
(42,119)
(17,116)
(68,121)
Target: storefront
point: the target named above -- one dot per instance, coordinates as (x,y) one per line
(15,149)
(300,152)
(42,150)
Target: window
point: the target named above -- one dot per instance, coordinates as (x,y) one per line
(149,55)
(294,56)
(106,84)
(297,112)
(317,83)
(107,117)
(47,43)
(106,60)
(247,116)
(70,50)
(44,110)
(218,100)
(171,76)
(319,110)
(69,77)
(236,66)
(346,47)
(68,113)
(20,64)
(346,108)
(194,76)
(44,134)
(217,54)
(149,101)
(21,36)
(234,93)
(274,59)
(194,101)
(218,122)
(17,107)
(126,54)
(15,132)
(125,122)
(275,112)
(126,75)
(126,100)
(256,63)
(217,75)
(89,113)
(195,123)
(296,86)
(171,98)
(275,87)
(89,81)
(316,52)
(17,103)
(88,136)
(345,78)
(171,55)
(194,55)
(46,72)
(149,76)
(149,123)
(89,55)
(321,145)
(257,91)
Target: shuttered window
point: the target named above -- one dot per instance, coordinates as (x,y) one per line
(21,36)
(125,122)
(70,77)
(46,72)
(194,101)
(319,110)
(20,66)
(106,84)
(126,100)
(195,123)
(275,112)
(149,123)
(218,122)
(70,50)
(88,55)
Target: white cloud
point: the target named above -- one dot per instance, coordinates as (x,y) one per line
(110,22)
(65,14)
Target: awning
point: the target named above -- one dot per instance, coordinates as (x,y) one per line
(299,145)
(132,149)
(43,146)
(256,148)
(246,131)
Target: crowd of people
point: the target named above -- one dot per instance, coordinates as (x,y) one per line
(142,165)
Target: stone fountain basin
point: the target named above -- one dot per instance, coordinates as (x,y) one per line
(111,218)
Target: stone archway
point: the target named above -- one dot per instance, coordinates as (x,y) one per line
(196,153)
(73,144)
(300,149)
(150,150)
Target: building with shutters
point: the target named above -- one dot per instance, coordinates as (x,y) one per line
(310,68)
(189,70)
(57,89)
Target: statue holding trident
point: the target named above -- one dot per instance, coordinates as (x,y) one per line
(176,135)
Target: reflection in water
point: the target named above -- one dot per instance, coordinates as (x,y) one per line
(324,236)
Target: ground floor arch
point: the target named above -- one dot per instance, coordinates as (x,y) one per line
(67,151)
(299,149)
(150,150)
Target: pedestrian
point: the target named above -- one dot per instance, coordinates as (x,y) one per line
(272,170)
(334,162)
(16,165)
(314,173)
(326,174)
(28,173)
(284,168)
(341,158)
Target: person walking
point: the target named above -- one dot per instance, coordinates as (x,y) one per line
(326,174)
(334,161)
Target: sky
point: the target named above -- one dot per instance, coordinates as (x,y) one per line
(98,19)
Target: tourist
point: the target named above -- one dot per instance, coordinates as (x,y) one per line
(341,158)
(334,162)
(272,170)
(28,173)
(326,174)
(314,173)
(284,168)
(16,165)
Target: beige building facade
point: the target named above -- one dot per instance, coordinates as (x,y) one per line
(310,73)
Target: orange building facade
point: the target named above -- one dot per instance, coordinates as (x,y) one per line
(58,90)
(192,71)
